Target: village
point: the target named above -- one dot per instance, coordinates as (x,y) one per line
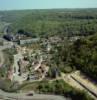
(48,50)
(30,61)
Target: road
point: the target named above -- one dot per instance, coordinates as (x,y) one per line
(23,96)
(77,81)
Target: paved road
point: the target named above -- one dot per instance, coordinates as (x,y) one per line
(23,96)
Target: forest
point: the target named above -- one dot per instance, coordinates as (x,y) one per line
(66,22)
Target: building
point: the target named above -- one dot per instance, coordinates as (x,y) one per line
(27,41)
(8,37)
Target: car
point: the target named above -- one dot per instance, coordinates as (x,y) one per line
(30,93)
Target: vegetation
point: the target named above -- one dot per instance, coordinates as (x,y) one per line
(3,71)
(2,25)
(54,22)
(12,16)
(60,56)
(65,22)
(84,56)
(8,53)
(57,87)
(81,55)
(8,86)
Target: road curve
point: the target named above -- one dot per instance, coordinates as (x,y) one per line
(23,96)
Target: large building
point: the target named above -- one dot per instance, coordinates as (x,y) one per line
(26,41)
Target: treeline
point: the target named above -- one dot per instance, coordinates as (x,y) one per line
(63,22)
(13,15)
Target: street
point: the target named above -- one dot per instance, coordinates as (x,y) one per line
(23,96)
